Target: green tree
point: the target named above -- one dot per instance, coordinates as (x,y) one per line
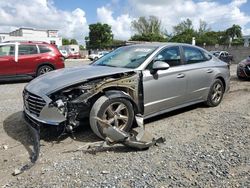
(73,41)
(69,41)
(147,29)
(151,37)
(184,37)
(118,43)
(203,27)
(100,36)
(82,47)
(234,31)
(183,32)
(147,25)
(184,26)
(65,41)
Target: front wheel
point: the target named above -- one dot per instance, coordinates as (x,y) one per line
(215,94)
(117,112)
(44,69)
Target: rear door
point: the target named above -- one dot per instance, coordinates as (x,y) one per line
(28,58)
(7,60)
(166,88)
(199,72)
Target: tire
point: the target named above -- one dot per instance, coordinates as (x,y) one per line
(44,69)
(112,110)
(216,93)
(95,58)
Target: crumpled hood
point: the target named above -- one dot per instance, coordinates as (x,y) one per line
(59,79)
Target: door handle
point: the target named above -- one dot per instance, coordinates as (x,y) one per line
(181,75)
(209,70)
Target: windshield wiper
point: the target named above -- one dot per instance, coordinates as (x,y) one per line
(106,65)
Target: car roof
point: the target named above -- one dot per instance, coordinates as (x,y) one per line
(164,44)
(23,42)
(159,44)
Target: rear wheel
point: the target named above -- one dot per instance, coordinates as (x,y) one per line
(44,69)
(215,94)
(117,112)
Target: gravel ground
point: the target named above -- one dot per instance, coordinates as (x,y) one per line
(205,147)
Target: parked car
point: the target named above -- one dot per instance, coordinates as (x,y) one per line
(64,53)
(139,80)
(25,59)
(223,55)
(243,69)
(73,51)
(74,55)
(98,55)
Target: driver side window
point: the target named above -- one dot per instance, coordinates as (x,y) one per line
(169,55)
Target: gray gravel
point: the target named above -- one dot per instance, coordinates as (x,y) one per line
(205,147)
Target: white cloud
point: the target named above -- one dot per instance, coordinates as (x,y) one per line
(42,14)
(121,25)
(218,16)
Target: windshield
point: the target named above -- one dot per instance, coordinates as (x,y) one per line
(126,57)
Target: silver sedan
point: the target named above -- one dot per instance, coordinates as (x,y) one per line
(139,80)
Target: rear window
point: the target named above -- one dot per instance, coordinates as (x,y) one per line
(27,49)
(44,49)
(193,55)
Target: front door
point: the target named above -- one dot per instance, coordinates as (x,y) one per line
(166,88)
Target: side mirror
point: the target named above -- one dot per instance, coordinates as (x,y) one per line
(159,65)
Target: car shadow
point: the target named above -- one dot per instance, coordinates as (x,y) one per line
(16,128)
(83,133)
(175,112)
(15,81)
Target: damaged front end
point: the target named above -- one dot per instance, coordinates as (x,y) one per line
(67,107)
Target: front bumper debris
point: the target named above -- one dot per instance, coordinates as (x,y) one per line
(34,128)
(138,138)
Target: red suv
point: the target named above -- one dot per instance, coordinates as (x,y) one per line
(22,59)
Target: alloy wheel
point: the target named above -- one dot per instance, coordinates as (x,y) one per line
(44,70)
(116,114)
(217,92)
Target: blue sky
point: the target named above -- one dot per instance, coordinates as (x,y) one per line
(90,6)
(72,17)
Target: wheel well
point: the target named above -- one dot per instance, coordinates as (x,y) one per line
(223,82)
(116,94)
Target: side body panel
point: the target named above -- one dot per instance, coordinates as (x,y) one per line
(8,66)
(163,90)
(200,76)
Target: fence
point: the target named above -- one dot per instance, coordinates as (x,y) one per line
(239,52)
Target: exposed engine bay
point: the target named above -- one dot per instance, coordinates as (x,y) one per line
(75,102)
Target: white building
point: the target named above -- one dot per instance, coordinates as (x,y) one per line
(30,34)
